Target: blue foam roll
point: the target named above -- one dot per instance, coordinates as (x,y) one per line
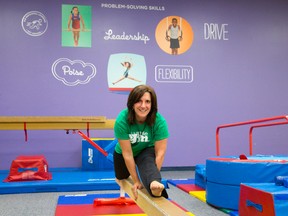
(229,172)
(236,171)
(222,196)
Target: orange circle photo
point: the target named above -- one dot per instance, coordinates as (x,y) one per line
(182,30)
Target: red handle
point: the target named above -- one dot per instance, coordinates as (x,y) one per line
(114,201)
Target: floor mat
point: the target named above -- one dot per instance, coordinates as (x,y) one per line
(82,204)
(63,180)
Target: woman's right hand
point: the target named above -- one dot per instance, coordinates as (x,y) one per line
(136,186)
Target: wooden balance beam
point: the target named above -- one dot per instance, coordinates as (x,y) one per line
(55,122)
(152,206)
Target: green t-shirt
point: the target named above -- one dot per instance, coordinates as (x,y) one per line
(141,136)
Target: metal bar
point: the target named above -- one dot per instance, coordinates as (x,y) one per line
(93,143)
(243,123)
(258,126)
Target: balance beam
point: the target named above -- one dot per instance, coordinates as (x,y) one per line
(55,122)
(152,206)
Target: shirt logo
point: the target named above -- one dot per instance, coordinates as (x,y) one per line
(137,137)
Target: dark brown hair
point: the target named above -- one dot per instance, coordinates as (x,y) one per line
(134,96)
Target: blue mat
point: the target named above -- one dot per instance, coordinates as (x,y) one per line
(176,182)
(62,180)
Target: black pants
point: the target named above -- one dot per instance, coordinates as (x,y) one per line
(146,165)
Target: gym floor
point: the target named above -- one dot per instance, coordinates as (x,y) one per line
(44,204)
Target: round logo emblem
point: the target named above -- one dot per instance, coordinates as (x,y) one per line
(34,23)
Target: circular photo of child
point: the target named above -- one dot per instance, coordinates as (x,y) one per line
(174,35)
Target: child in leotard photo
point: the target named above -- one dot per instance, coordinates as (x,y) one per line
(76,19)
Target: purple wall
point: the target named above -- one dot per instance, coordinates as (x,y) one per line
(238,55)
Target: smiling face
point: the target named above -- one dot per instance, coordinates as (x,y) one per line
(75,10)
(142,107)
(174,22)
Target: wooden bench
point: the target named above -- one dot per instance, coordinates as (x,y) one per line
(55,122)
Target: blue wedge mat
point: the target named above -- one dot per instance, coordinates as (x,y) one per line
(64,180)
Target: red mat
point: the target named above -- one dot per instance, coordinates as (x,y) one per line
(82,204)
